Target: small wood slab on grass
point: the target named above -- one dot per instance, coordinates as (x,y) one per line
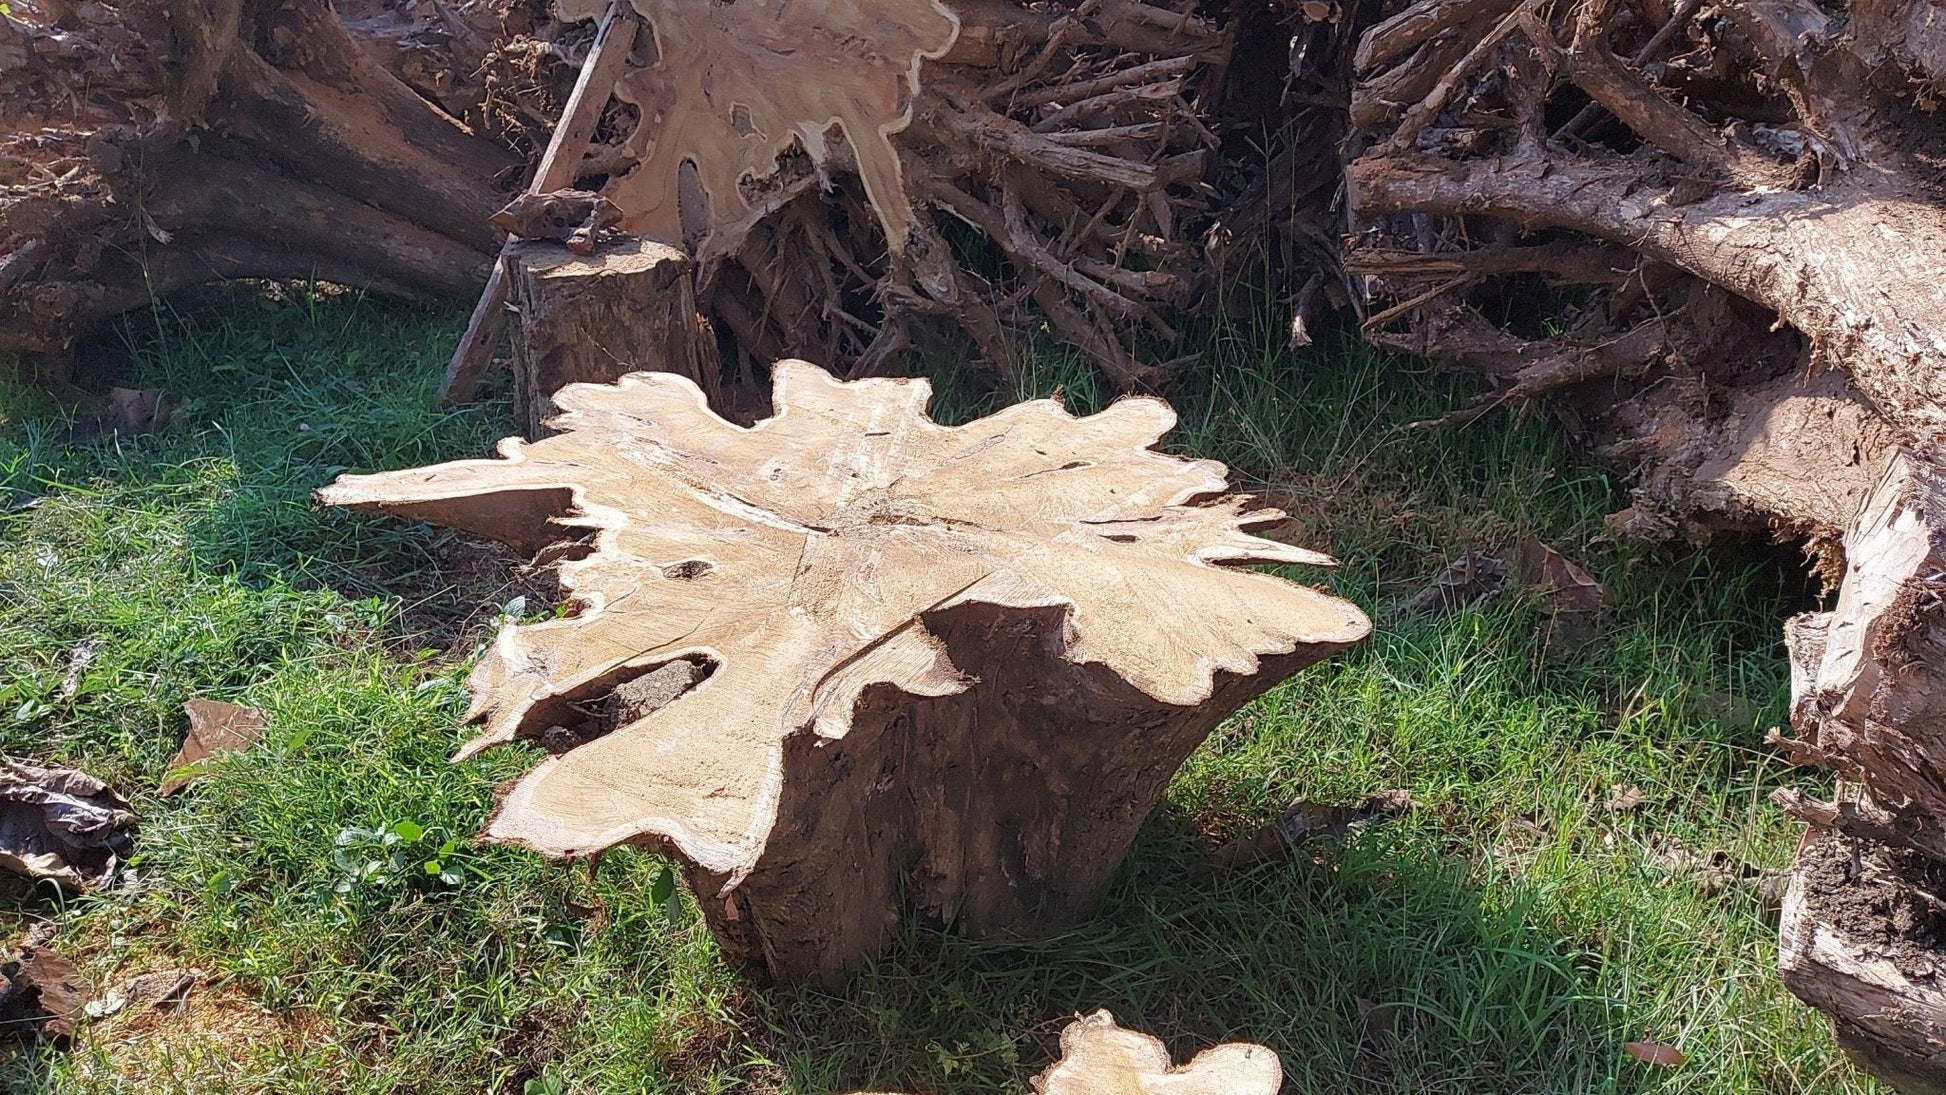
(950,666)
(1100,1058)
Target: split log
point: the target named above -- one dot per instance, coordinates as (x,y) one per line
(628,307)
(947,668)
(1767,354)
(147,147)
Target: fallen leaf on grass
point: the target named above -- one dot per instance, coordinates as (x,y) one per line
(42,996)
(79,659)
(156,989)
(1625,798)
(1571,601)
(215,728)
(1566,585)
(1471,578)
(1304,821)
(63,826)
(1656,1053)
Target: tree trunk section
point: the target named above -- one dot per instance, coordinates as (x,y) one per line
(1005,808)
(628,307)
(943,670)
(267,143)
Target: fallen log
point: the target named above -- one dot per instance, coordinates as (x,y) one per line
(949,669)
(148,147)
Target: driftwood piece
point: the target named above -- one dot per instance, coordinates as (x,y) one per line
(950,668)
(628,307)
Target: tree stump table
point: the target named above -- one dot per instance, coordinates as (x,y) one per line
(849,661)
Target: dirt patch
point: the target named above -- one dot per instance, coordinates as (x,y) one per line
(212,1031)
(1882,898)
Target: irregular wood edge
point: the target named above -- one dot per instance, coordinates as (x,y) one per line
(1890,1020)
(536,502)
(1098,1057)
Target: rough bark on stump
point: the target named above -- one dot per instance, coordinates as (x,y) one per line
(628,307)
(148,147)
(1746,206)
(1856,940)
(950,667)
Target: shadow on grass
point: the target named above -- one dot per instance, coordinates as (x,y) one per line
(1375,966)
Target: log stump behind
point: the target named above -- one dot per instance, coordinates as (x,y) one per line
(628,307)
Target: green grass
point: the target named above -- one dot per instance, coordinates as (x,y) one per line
(1509,935)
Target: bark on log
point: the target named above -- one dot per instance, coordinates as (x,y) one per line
(1772,357)
(148,147)
(1856,941)
(938,675)
(628,307)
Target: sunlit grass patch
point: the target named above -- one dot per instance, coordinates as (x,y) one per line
(1508,935)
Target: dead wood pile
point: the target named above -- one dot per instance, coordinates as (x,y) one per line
(841,171)
(1712,235)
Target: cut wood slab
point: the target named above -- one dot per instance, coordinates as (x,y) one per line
(949,666)
(1100,1058)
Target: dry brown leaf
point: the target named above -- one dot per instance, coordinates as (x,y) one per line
(1659,1054)
(1625,798)
(1304,821)
(1567,586)
(1469,579)
(42,996)
(62,826)
(215,728)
